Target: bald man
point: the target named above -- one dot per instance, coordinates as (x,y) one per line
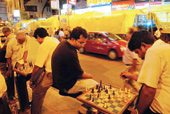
(16,52)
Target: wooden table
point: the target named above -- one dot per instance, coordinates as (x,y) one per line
(112,101)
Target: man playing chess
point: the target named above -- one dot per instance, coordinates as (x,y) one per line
(68,75)
(16,52)
(154,95)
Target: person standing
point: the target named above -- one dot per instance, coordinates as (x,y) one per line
(133,63)
(154,95)
(68,76)
(4,107)
(16,52)
(158,33)
(45,50)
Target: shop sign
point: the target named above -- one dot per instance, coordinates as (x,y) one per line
(139,4)
(80,5)
(54,4)
(98,2)
(122,5)
(72,2)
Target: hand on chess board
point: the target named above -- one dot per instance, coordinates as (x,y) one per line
(128,75)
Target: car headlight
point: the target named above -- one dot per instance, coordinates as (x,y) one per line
(122,48)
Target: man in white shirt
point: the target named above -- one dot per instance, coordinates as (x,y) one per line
(4,108)
(45,51)
(155,93)
(16,51)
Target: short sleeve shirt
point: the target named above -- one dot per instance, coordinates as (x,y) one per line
(15,51)
(45,52)
(66,68)
(128,56)
(3,86)
(9,37)
(156,74)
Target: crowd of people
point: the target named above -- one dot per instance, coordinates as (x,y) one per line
(146,59)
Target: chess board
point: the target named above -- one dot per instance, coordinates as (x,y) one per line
(24,71)
(108,99)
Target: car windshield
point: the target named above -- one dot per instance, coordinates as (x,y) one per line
(112,37)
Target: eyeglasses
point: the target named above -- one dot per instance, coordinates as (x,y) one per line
(81,42)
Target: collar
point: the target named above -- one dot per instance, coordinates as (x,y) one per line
(158,42)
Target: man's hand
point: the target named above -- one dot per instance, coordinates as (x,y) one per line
(32,85)
(128,75)
(9,72)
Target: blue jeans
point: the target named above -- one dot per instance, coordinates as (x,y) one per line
(39,93)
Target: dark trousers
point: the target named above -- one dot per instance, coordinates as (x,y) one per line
(10,86)
(22,91)
(4,107)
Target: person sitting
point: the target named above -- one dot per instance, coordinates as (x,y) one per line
(68,76)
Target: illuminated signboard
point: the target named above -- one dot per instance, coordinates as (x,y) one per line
(98,2)
(139,4)
(54,4)
(122,5)
(72,2)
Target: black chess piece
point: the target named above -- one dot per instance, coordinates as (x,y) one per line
(93,100)
(109,97)
(99,90)
(98,96)
(110,86)
(106,91)
(113,92)
(101,83)
(97,86)
(92,90)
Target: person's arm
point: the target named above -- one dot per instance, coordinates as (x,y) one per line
(9,62)
(129,75)
(146,98)
(33,72)
(86,76)
(134,65)
(25,56)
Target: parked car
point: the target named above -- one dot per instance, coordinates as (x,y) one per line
(104,43)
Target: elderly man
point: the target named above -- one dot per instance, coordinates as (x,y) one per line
(16,52)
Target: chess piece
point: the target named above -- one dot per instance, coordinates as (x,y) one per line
(101,83)
(110,86)
(113,92)
(93,100)
(106,91)
(109,97)
(92,90)
(99,90)
(97,86)
(98,96)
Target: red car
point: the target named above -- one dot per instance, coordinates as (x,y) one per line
(104,43)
